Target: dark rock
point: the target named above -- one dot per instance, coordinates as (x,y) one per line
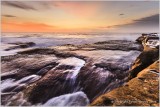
(53,84)
(96,77)
(5,97)
(9,89)
(44,70)
(117,45)
(145,37)
(8,75)
(141,38)
(19,88)
(21,45)
(64,67)
(48,51)
(146,58)
(25,66)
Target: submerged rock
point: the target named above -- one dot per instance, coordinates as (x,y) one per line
(118,45)
(73,99)
(20,45)
(58,79)
(53,74)
(9,85)
(22,66)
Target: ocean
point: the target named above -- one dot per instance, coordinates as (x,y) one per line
(56,39)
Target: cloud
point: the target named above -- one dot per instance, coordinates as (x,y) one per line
(145,24)
(150,21)
(79,9)
(18,4)
(10,16)
(26,27)
(154,19)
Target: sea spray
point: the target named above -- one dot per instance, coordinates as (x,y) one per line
(77,63)
(73,99)
(12,84)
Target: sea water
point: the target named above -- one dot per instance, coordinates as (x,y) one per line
(56,39)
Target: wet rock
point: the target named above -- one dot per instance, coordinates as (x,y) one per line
(65,67)
(21,66)
(8,75)
(123,45)
(20,45)
(118,45)
(137,92)
(56,82)
(19,88)
(9,85)
(73,99)
(91,68)
(146,58)
(48,51)
(5,97)
(142,38)
(28,79)
(145,37)
(44,70)
(18,100)
(96,81)
(62,75)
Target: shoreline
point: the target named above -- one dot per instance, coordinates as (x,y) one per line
(93,69)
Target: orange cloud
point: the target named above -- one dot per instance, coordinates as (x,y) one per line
(26,27)
(79,9)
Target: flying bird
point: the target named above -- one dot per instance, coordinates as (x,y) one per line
(121,14)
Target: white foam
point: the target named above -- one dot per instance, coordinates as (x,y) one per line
(72,61)
(74,99)
(7,83)
(11,83)
(29,79)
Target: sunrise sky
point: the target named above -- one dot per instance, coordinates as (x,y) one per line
(81,16)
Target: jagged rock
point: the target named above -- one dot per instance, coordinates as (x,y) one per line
(146,58)
(58,81)
(92,68)
(139,91)
(11,85)
(99,74)
(141,38)
(145,37)
(21,66)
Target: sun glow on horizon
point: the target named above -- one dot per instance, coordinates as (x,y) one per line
(103,16)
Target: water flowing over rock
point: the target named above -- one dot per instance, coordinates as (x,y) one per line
(47,76)
(20,45)
(139,91)
(23,66)
(104,74)
(143,82)
(74,99)
(59,80)
(12,85)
